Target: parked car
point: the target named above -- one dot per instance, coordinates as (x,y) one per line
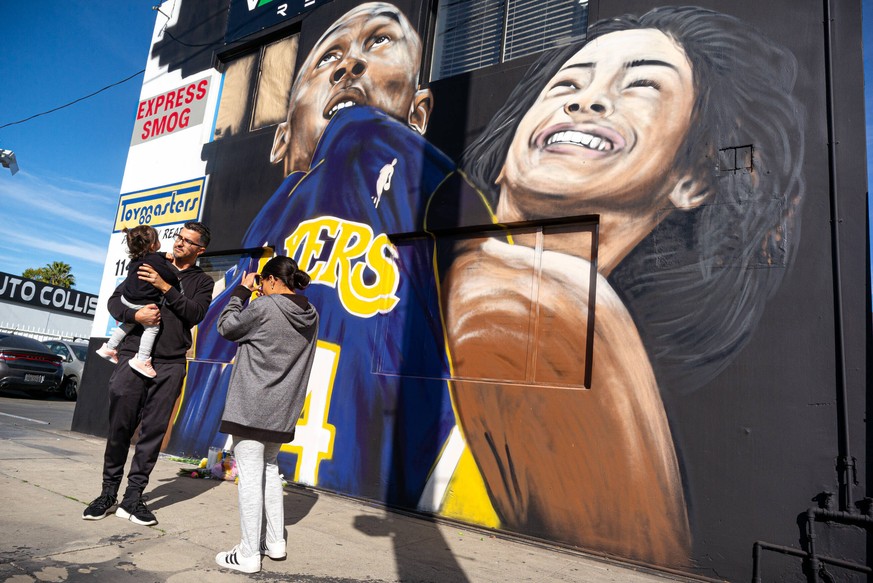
(28,365)
(73,355)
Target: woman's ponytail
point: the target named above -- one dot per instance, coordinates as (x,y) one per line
(285,269)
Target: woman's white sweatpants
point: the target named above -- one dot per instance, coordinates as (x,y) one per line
(260,494)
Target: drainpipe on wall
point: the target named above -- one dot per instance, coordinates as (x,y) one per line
(845,463)
(814,564)
(846,470)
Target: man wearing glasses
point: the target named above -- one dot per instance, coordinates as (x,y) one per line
(134,399)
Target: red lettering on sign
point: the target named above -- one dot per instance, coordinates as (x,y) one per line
(165,113)
(172,99)
(166,124)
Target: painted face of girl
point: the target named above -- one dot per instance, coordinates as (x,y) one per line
(604,131)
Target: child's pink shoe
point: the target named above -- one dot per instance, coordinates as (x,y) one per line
(143,367)
(109,354)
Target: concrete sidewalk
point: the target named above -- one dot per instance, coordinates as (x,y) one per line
(47,477)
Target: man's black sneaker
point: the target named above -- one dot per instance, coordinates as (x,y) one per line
(135,510)
(100,507)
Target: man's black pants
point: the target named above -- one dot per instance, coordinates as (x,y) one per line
(137,400)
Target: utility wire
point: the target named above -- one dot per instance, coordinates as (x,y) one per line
(167,32)
(181,42)
(72,102)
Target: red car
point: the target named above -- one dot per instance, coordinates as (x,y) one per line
(27,364)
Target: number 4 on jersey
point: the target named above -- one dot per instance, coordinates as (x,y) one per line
(314,436)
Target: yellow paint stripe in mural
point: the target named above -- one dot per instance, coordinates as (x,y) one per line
(181,398)
(455,487)
(466,497)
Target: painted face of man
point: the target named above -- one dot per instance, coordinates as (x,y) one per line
(604,131)
(370,56)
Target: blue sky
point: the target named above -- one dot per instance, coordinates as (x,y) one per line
(61,204)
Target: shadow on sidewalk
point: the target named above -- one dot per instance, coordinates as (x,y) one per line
(420,550)
(298,503)
(178,489)
(181,488)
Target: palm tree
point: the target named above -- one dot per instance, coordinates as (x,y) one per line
(58,274)
(55,273)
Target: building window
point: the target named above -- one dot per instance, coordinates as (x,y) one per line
(472,34)
(524,317)
(256,89)
(736,158)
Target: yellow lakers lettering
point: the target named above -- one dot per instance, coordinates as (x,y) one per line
(348,257)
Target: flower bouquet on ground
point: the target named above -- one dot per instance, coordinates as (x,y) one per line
(223,469)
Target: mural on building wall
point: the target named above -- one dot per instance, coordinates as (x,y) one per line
(676,128)
(634,125)
(354,174)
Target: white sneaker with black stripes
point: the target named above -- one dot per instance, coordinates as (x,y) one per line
(275,551)
(232,559)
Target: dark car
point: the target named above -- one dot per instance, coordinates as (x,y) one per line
(26,364)
(73,355)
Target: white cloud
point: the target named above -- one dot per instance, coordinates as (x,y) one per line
(20,250)
(58,245)
(50,218)
(75,202)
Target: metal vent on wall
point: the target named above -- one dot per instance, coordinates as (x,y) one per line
(472,34)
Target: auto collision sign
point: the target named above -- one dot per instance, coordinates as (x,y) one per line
(21,290)
(171,111)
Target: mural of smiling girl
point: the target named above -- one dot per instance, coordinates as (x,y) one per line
(626,126)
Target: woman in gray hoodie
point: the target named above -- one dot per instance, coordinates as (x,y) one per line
(276,334)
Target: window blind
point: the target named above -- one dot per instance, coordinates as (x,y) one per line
(469,35)
(534,26)
(472,34)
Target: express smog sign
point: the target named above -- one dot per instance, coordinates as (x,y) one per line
(42,295)
(178,109)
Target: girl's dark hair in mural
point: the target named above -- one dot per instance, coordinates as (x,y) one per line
(285,269)
(140,240)
(697,285)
